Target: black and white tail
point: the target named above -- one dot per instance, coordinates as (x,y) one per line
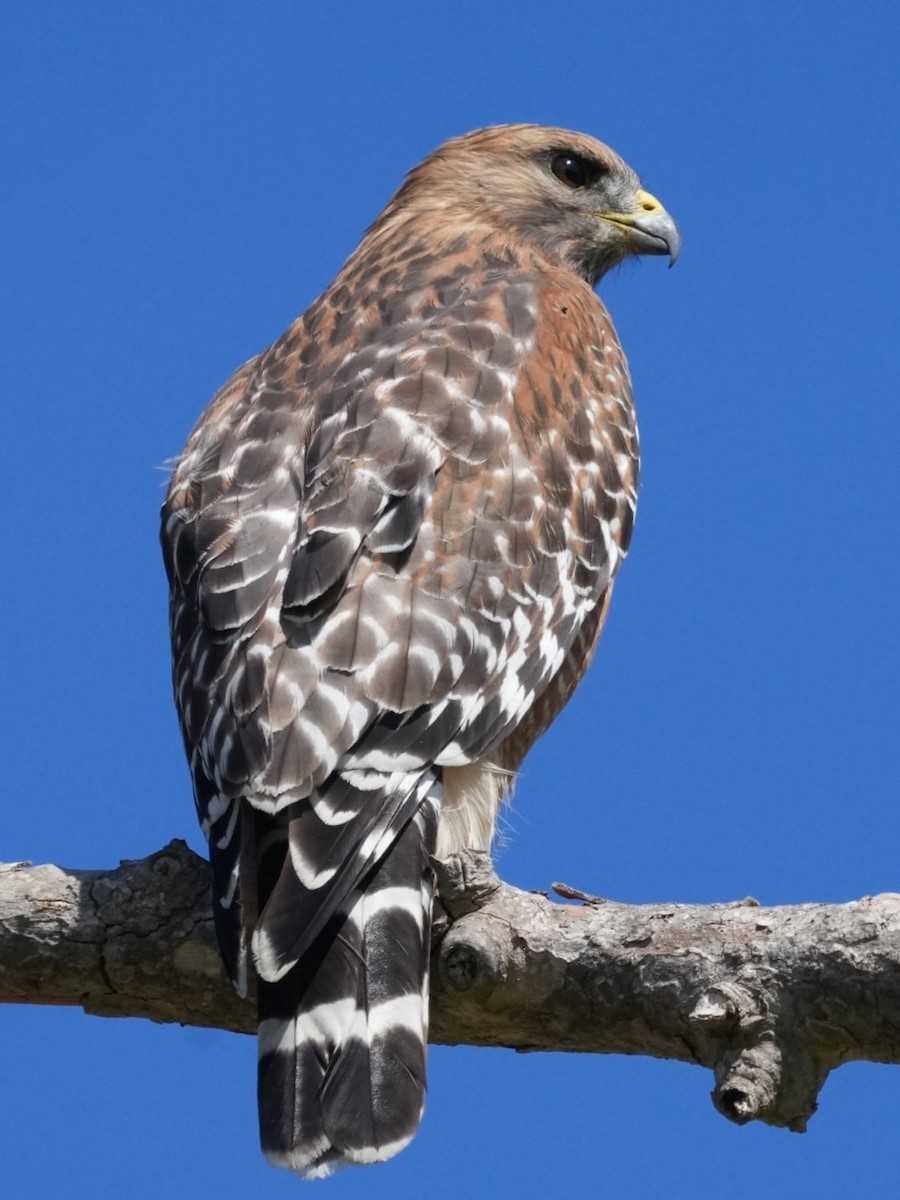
(342,950)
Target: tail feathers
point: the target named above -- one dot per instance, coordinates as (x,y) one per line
(305,882)
(342,1035)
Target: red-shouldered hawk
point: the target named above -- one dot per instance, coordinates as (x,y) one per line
(391,542)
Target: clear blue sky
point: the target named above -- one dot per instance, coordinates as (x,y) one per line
(178,181)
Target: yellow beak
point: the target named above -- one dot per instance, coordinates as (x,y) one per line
(650,228)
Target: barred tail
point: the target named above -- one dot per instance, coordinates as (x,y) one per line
(342,1035)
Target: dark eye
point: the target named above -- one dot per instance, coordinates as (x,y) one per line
(573,170)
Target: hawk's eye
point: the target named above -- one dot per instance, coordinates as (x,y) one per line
(573,170)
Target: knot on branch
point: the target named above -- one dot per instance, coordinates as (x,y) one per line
(762,1071)
(748,1080)
(473,960)
(719,1008)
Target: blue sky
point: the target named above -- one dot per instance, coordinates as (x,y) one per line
(179,181)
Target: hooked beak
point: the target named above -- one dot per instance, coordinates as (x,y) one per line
(649,228)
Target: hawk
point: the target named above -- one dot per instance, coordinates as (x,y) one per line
(391,542)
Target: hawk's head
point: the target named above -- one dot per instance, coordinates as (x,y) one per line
(565,190)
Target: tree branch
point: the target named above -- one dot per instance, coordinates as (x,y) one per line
(770,998)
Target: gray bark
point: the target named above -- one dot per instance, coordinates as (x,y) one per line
(771,999)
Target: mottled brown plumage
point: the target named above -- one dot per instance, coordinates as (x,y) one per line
(392,540)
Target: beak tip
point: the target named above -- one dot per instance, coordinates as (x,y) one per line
(674,245)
